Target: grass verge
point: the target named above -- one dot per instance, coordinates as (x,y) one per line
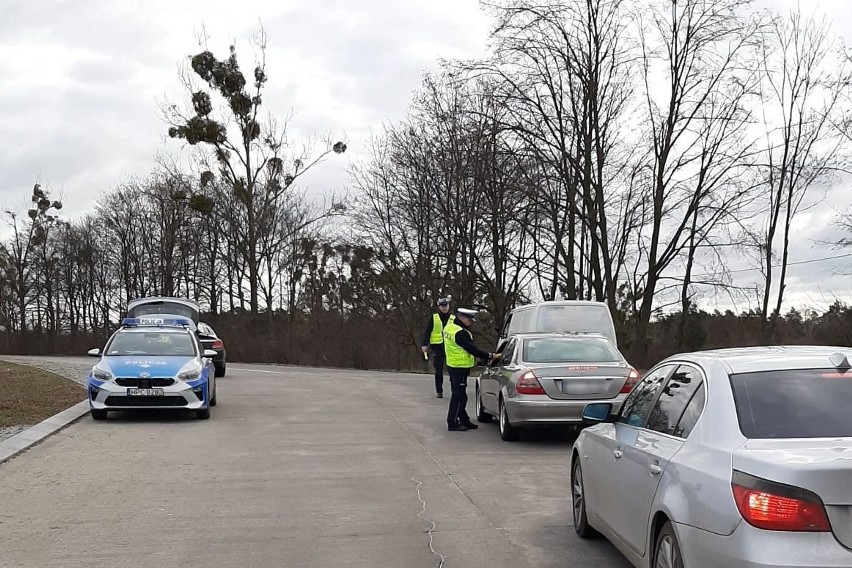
(29,395)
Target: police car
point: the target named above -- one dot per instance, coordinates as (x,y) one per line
(153,363)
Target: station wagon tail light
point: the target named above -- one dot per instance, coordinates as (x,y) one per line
(218,344)
(528,384)
(777,507)
(632,379)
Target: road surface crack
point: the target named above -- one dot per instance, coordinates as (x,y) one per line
(431,528)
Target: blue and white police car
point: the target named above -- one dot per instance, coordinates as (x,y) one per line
(152,363)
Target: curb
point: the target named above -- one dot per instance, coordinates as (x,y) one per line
(22,441)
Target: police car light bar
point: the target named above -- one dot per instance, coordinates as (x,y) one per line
(156,322)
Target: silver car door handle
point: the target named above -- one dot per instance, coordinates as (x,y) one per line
(617,454)
(655,469)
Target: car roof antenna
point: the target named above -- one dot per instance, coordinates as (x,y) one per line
(839,360)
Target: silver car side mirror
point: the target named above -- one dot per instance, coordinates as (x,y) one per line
(598,412)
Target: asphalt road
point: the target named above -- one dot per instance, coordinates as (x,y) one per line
(297,467)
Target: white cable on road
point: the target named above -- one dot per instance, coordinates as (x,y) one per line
(432,528)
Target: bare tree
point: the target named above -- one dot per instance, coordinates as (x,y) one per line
(27,236)
(803,82)
(694,55)
(564,67)
(255,159)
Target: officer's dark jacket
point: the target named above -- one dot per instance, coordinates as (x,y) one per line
(464,341)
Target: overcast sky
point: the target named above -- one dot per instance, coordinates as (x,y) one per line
(81,81)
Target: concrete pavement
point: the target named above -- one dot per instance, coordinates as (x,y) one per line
(297,467)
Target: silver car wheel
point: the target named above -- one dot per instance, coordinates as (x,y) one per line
(577,493)
(478,403)
(667,556)
(507,431)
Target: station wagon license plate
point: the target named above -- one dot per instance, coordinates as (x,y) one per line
(145,392)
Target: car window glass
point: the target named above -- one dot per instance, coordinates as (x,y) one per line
(509,352)
(574,318)
(153,343)
(569,350)
(637,405)
(523,320)
(163,307)
(673,399)
(505,332)
(798,403)
(691,414)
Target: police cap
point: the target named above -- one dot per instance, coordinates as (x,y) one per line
(467,312)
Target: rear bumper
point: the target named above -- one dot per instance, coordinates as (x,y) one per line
(542,410)
(749,547)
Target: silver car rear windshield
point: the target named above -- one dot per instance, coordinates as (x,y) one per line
(813,403)
(570,350)
(152,343)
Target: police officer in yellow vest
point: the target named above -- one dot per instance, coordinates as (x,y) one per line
(433,339)
(461,358)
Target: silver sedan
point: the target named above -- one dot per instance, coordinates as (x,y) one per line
(739,458)
(547,379)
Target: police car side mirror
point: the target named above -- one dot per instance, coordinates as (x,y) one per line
(94,352)
(209,353)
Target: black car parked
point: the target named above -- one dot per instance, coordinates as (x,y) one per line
(184,307)
(210,340)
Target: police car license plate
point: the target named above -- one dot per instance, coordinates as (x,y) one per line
(145,392)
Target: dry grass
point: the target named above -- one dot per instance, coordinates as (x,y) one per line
(29,395)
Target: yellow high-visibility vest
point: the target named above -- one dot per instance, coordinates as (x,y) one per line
(457,357)
(437,335)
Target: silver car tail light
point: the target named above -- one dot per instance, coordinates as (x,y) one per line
(632,379)
(528,384)
(778,507)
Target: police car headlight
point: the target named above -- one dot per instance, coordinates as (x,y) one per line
(190,375)
(102,374)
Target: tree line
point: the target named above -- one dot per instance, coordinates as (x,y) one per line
(604,149)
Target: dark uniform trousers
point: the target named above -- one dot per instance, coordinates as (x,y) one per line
(457,414)
(438,358)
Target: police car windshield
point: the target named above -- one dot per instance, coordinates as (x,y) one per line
(162,343)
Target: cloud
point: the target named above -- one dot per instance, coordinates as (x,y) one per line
(81,81)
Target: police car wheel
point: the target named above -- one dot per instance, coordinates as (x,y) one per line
(202,413)
(99,414)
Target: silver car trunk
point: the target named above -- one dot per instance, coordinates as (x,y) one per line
(580,381)
(823,466)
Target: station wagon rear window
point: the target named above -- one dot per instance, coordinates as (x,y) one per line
(163,307)
(813,403)
(570,350)
(574,318)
